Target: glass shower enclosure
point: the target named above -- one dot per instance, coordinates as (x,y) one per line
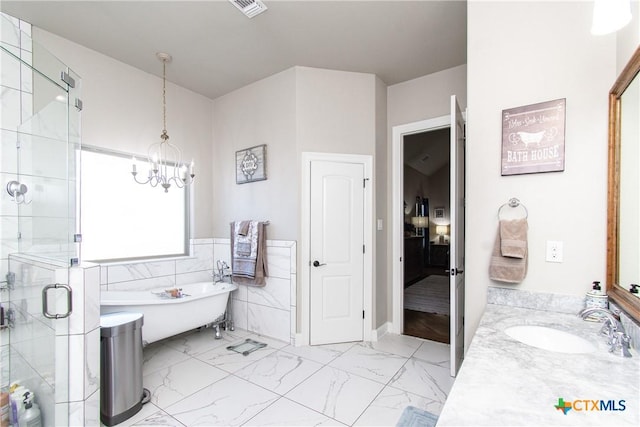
(39,145)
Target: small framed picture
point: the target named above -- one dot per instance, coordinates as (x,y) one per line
(438,212)
(251,164)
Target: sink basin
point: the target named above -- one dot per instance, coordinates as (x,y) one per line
(550,339)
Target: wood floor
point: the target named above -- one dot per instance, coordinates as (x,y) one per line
(430,326)
(434,327)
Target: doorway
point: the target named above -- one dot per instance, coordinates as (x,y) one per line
(426,173)
(455,122)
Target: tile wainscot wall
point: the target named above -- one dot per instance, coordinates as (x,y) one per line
(268,310)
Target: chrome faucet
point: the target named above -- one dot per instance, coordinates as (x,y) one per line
(619,341)
(612,322)
(223,272)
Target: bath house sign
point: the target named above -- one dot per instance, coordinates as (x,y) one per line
(533,138)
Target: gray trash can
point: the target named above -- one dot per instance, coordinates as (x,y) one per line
(121,390)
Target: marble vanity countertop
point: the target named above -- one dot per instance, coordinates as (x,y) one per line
(505,382)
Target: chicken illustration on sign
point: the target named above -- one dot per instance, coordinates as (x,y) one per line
(533,138)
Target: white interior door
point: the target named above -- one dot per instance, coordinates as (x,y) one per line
(457,237)
(336,252)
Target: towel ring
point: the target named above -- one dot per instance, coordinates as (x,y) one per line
(514,203)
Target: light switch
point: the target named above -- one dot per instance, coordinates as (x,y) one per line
(379,225)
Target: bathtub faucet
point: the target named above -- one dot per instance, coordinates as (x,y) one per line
(223,271)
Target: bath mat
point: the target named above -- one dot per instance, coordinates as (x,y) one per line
(415,417)
(248,346)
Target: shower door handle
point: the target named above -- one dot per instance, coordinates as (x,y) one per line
(45,303)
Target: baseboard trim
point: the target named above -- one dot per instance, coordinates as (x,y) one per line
(300,340)
(378,333)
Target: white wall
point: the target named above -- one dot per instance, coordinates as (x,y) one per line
(521,53)
(628,38)
(123,111)
(627,41)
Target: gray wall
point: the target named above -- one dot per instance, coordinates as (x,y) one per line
(298,110)
(261,113)
(382,300)
(123,111)
(423,98)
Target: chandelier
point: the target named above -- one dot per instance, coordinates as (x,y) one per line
(163,158)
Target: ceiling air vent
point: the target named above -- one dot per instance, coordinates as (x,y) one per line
(250,8)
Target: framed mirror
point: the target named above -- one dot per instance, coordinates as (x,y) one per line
(623,223)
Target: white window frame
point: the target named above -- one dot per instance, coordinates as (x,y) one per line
(113,193)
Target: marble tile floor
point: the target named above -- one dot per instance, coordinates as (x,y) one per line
(195,381)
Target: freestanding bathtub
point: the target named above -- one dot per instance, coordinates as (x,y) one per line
(201,304)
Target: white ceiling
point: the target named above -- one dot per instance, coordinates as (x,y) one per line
(216,49)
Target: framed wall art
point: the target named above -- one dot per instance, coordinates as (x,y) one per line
(251,164)
(533,138)
(438,212)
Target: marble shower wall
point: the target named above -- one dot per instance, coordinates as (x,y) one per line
(269,310)
(38,138)
(16,99)
(69,377)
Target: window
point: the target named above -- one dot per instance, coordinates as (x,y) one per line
(121,219)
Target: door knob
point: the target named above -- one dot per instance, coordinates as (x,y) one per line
(455,271)
(317,263)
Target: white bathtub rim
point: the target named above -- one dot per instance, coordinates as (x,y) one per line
(150,297)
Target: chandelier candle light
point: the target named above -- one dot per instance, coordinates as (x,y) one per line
(164,158)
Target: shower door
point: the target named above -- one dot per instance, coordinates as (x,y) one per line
(40,135)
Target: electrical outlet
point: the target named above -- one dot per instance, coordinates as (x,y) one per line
(554,251)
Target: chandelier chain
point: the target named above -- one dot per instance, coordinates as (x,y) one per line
(164,96)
